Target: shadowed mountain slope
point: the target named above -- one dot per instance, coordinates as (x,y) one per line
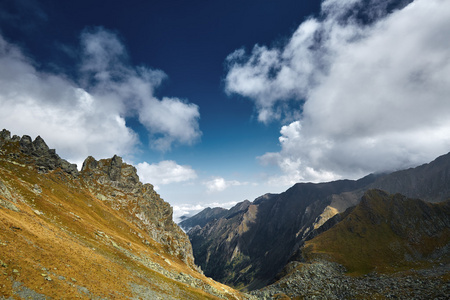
(429,182)
(402,245)
(247,250)
(98,233)
(386,233)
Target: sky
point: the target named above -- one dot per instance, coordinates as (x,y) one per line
(215,102)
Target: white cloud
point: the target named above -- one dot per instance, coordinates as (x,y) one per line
(66,116)
(173,119)
(219,184)
(165,172)
(89,118)
(375,93)
(130,90)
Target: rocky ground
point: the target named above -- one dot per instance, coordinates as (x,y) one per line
(325,280)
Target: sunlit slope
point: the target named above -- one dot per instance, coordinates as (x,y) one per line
(386,233)
(94,234)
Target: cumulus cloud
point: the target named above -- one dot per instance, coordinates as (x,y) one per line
(371,84)
(68,117)
(87,116)
(219,184)
(130,90)
(165,172)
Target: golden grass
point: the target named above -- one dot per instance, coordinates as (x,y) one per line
(65,233)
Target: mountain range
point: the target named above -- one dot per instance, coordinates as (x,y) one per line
(249,245)
(99,233)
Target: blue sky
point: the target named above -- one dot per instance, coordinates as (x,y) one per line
(215,102)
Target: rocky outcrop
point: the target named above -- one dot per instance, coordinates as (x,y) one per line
(37,153)
(117,183)
(96,234)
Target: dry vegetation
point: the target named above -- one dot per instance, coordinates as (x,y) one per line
(59,240)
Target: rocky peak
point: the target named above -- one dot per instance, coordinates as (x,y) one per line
(117,183)
(112,171)
(5,136)
(35,152)
(115,168)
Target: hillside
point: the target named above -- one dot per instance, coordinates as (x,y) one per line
(400,245)
(386,233)
(98,233)
(247,249)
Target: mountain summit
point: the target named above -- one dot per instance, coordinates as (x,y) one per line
(98,233)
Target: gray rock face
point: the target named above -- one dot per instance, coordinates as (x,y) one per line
(5,136)
(119,184)
(38,153)
(115,169)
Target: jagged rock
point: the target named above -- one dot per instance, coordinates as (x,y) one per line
(39,153)
(115,168)
(150,211)
(5,136)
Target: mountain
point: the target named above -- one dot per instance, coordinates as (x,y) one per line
(98,233)
(429,182)
(249,248)
(402,245)
(203,217)
(209,214)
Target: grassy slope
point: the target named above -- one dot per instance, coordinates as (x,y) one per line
(65,233)
(386,234)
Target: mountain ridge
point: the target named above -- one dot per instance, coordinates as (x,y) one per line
(98,233)
(221,240)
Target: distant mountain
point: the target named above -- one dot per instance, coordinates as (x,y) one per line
(402,245)
(203,217)
(209,214)
(248,248)
(98,233)
(429,182)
